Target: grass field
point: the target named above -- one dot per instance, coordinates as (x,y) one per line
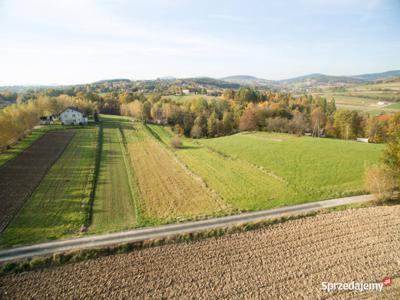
(168,190)
(313,168)
(255,171)
(58,206)
(114,203)
(394,106)
(242,185)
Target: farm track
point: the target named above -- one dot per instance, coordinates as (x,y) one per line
(283,261)
(165,231)
(20,176)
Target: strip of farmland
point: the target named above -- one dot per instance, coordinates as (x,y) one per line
(114,203)
(23,144)
(239,183)
(168,190)
(58,207)
(20,176)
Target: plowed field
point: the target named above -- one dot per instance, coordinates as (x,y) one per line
(20,176)
(284,261)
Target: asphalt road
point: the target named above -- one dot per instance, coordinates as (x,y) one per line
(96,241)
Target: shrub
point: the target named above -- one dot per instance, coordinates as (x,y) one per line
(176,142)
(37,262)
(380,181)
(8,267)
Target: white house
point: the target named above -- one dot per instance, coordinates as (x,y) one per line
(363,140)
(73,116)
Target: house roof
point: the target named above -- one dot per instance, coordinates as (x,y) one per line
(74,108)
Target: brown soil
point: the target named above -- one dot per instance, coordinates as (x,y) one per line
(20,176)
(284,261)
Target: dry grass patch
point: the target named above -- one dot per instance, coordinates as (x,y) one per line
(168,190)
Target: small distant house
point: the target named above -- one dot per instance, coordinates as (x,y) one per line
(362,140)
(73,116)
(186,92)
(46,120)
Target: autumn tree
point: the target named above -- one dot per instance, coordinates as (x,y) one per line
(228,122)
(248,120)
(318,120)
(229,94)
(246,95)
(212,125)
(347,124)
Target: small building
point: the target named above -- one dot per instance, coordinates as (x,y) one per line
(73,116)
(46,120)
(186,92)
(362,140)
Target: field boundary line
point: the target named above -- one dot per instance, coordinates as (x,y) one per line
(230,157)
(165,231)
(97,164)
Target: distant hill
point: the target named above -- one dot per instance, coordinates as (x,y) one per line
(315,82)
(250,80)
(378,76)
(394,79)
(322,78)
(166,78)
(239,78)
(117,80)
(210,82)
(310,81)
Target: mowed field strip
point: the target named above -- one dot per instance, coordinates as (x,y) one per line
(20,176)
(58,207)
(243,186)
(114,203)
(167,189)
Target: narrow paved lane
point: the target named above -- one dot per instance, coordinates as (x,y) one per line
(169,230)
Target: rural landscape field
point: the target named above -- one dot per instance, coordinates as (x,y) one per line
(199,150)
(210,177)
(373,98)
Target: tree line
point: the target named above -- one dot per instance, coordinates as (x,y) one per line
(250,110)
(245,109)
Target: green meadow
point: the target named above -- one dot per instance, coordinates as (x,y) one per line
(124,174)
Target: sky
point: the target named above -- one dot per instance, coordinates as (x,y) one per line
(81,41)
